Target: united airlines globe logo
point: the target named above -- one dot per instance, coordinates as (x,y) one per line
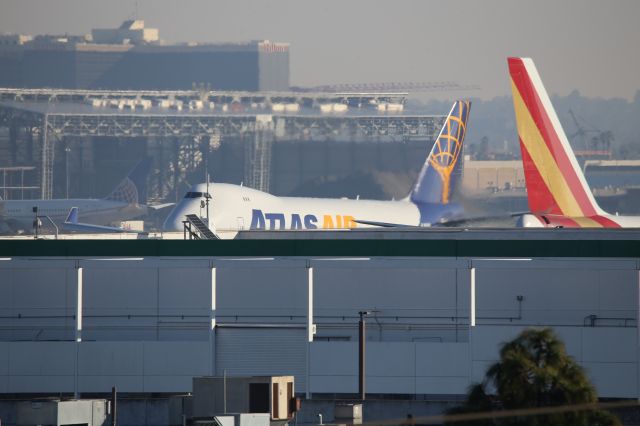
(126,192)
(448,147)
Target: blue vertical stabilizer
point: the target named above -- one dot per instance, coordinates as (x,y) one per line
(133,188)
(442,170)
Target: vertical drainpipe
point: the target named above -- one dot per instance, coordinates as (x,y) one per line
(212,324)
(78,326)
(114,406)
(309,324)
(44,179)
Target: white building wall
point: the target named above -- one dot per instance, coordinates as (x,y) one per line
(392,367)
(50,367)
(146,321)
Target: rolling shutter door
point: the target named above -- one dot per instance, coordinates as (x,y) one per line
(262,352)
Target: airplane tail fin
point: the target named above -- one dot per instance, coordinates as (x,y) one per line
(442,169)
(555,183)
(72,217)
(133,188)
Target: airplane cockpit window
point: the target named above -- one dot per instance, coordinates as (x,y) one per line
(197,195)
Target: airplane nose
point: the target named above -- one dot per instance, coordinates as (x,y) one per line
(173,222)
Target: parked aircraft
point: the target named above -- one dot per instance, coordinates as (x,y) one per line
(122,204)
(233,208)
(557,190)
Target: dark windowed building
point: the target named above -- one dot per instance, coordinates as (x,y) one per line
(133,57)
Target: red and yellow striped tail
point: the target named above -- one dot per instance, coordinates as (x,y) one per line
(555,183)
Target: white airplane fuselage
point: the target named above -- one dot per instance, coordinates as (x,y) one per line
(596,221)
(18,214)
(233,208)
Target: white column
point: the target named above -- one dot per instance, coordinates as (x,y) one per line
(310,331)
(78,334)
(212,324)
(472,298)
(78,304)
(310,327)
(472,316)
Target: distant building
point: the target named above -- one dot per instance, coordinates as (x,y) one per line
(14,39)
(483,175)
(133,57)
(132,31)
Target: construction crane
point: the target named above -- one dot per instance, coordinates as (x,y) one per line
(388,87)
(590,148)
(581,131)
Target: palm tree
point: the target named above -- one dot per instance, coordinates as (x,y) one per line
(535,371)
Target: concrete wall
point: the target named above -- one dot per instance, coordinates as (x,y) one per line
(54,367)
(146,321)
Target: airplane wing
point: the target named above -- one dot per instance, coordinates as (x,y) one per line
(465,221)
(160,206)
(446,223)
(384,224)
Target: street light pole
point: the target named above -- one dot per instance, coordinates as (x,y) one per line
(66,165)
(206,175)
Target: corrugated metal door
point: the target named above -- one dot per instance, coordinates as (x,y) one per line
(262,351)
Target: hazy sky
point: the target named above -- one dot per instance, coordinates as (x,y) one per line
(589,45)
